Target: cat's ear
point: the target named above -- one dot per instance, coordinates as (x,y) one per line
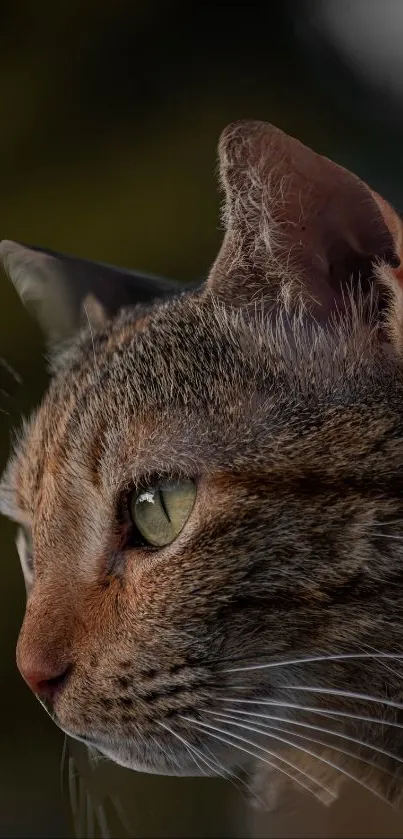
(299,228)
(62,291)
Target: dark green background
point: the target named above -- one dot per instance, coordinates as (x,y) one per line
(110,114)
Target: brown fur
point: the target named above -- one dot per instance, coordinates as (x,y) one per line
(278,387)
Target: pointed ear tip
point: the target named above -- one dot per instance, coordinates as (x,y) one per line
(8,249)
(237,135)
(236,130)
(246,126)
(8,246)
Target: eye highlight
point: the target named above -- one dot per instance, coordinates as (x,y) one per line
(159,512)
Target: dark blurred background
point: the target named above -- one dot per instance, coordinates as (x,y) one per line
(110,116)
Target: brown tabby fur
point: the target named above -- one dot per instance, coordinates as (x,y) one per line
(278,386)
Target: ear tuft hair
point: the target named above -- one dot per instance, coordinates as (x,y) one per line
(300,230)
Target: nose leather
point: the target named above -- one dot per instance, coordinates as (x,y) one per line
(44,679)
(44,649)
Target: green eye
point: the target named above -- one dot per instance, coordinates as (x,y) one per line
(161,511)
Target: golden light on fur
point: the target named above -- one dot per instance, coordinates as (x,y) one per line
(257,620)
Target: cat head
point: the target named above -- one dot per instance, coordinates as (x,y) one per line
(210,496)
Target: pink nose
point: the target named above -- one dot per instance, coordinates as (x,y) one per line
(45,681)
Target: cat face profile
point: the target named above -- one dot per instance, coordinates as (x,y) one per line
(210,496)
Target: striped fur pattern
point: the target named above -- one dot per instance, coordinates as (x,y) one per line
(285,406)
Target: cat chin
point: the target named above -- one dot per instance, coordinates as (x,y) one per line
(138,756)
(153,763)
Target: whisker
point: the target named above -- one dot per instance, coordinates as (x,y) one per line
(309,752)
(239,783)
(312,727)
(312,658)
(95,757)
(278,758)
(348,694)
(216,662)
(122,814)
(72,790)
(84,812)
(325,712)
(13,373)
(63,763)
(102,821)
(216,767)
(226,774)
(383,664)
(82,806)
(214,764)
(77,798)
(90,817)
(385,523)
(191,749)
(169,754)
(223,773)
(268,728)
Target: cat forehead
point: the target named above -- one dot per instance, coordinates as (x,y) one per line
(135,401)
(190,387)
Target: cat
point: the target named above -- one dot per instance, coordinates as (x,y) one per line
(210,495)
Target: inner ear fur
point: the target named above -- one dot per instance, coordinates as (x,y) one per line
(299,229)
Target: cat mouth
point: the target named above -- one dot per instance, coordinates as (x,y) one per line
(167,751)
(138,753)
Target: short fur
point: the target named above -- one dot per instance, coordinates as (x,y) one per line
(278,387)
